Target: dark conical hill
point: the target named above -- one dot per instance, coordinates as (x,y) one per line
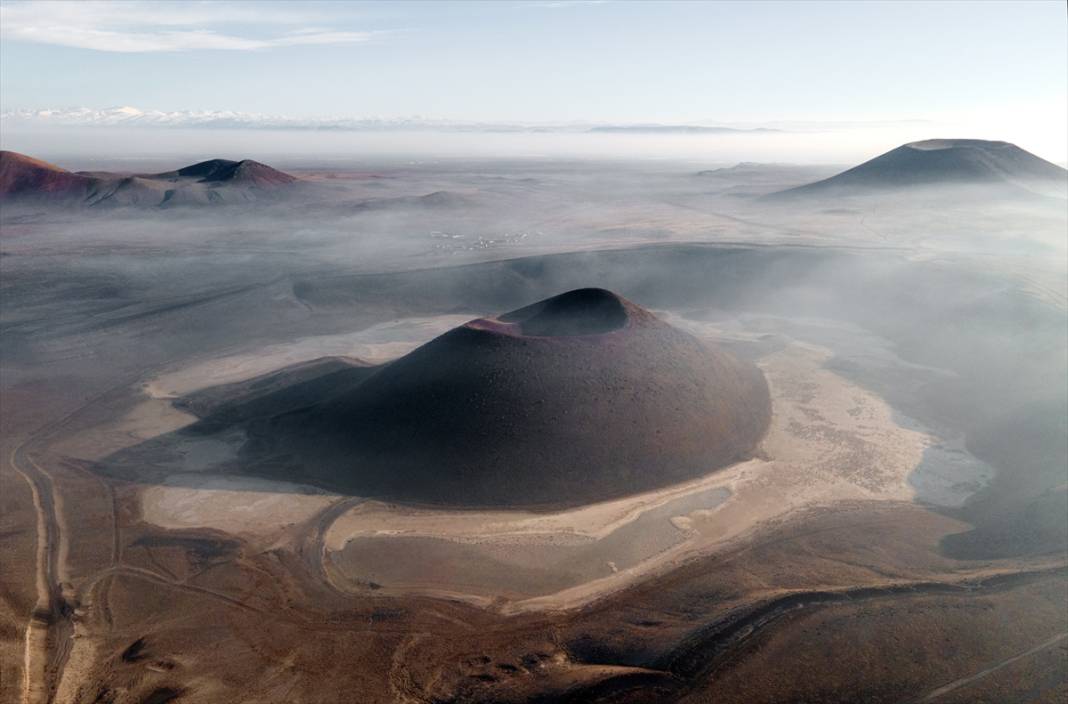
(578,398)
(942,162)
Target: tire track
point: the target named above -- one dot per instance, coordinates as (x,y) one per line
(34,685)
(956,684)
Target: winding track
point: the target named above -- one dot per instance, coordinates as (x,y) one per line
(35,686)
(50,621)
(49,630)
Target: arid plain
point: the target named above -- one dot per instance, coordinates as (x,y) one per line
(897,533)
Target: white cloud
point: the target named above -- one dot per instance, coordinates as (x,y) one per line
(229,119)
(554,4)
(136,26)
(128,116)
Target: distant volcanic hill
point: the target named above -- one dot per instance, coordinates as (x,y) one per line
(579,398)
(21,175)
(945,162)
(25,179)
(245,172)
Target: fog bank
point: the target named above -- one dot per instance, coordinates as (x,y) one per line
(287,147)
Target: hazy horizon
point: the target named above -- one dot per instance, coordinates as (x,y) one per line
(849,81)
(85,148)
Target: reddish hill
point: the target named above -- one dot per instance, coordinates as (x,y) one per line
(578,398)
(21,175)
(209,182)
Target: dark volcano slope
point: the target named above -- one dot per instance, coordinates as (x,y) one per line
(296,386)
(578,398)
(244,172)
(948,162)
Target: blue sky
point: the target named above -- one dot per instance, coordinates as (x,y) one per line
(981,63)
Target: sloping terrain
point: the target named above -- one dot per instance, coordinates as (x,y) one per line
(578,398)
(24,179)
(24,176)
(944,162)
(244,172)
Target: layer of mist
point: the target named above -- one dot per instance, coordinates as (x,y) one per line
(973,286)
(810,144)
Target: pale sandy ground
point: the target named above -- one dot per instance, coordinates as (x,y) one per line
(149,418)
(574,526)
(253,507)
(239,505)
(830,441)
